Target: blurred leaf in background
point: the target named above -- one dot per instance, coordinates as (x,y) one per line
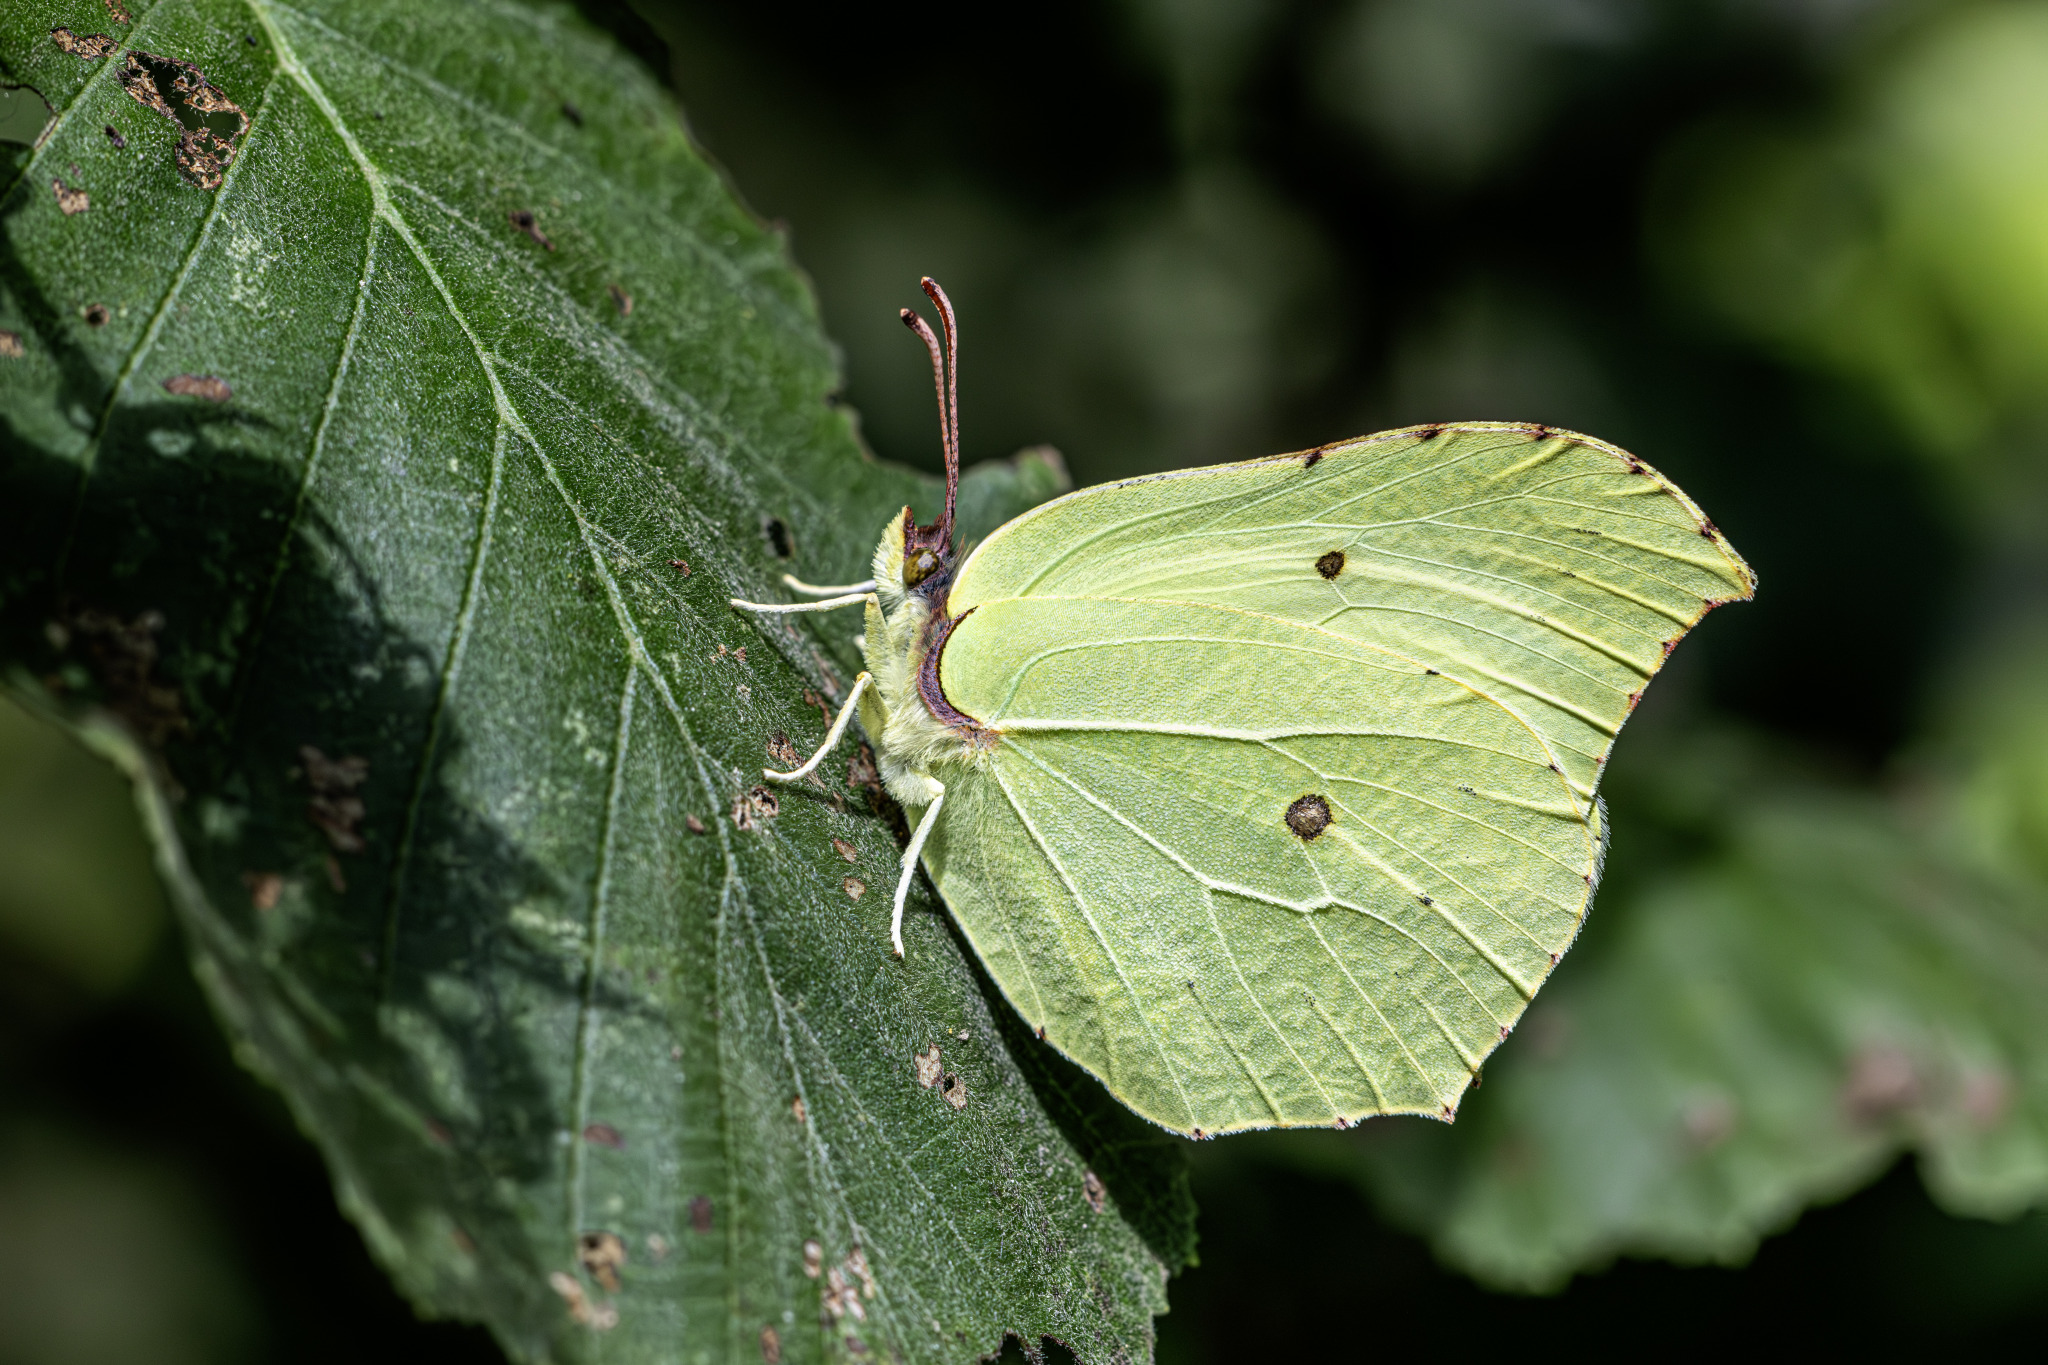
(80,898)
(1894,235)
(110,1260)
(1453,88)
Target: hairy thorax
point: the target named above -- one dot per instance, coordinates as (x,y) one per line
(912,744)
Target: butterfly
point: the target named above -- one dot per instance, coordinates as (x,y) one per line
(1269,792)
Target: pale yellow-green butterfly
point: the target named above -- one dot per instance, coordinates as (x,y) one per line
(1268,792)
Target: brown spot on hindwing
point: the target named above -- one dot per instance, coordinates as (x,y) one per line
(1331,564)
(1308,816)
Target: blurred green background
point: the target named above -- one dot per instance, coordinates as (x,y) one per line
(1792,252)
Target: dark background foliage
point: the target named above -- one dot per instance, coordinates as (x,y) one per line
(1186,232)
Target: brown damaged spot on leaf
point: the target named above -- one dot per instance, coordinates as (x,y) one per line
(796,1107)
(1709,1121)
(264,889)
(954,1089)
(604,1135)
(114,136)
(97,315)
(1986,1097)
(700,1213)
(854,887)
(845,850)
(857,1262)
(840,1297)
(1882,1083)
(123,655)
(209,387)
(782,751)
(524,220)
(621,300)
(846,1285)
(90,48)
(928,1068)
(603,1256)
(209,121)
(119,11)
(70,200)
(11,347)
(657,1246)
(814,1259)
(811,698)
(757,805)
(334,806)
(771,1346)
(1093,1190)
(600,1317)
(694,825)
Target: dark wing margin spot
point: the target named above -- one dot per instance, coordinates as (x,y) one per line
(1308,816)
(1331,564)
(1310,460)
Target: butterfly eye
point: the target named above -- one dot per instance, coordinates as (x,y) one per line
(921,564)
(1309,816)
(1331,564)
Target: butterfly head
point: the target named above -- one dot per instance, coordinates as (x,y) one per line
(927,555)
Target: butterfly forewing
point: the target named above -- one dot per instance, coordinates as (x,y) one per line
(1546,569)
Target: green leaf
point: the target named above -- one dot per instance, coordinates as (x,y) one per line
(1766,1029)
(345,504)
(1896,240)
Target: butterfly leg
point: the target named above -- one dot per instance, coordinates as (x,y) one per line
(812,590)
(910,855)
(783,608)
(860,685)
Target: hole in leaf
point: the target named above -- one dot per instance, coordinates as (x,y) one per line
(24,114)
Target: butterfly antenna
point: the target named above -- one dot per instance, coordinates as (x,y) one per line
(945,307)
(931,344)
